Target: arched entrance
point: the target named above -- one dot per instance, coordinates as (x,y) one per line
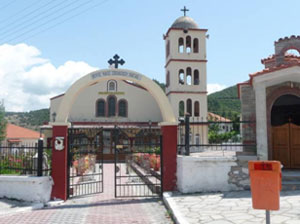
(60,162)
(285,122)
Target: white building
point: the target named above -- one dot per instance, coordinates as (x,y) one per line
(121,101)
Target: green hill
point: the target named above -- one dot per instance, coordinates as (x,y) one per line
(31,120)
(224,102)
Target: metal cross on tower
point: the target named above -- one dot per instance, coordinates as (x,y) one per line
(184,10)
(116,61)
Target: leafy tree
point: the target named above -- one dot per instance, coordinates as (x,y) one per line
(162,85)
(3,122)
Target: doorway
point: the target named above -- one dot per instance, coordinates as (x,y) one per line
(285,122)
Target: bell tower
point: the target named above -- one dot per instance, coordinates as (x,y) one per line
(185,68)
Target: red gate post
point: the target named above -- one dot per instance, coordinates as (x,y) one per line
(169,154)
(59,161)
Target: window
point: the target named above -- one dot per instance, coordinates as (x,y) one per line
(196,77)
(168,79)
(180,45)
(181,77)
(100,108)
(111,86)
(196,109)
(189,107)
(111,106)
(122,108)
(168,49)
(189,76)
(188,44)
(181,109)
(195,45)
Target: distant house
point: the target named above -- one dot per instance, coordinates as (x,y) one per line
(224,124)
(19,136)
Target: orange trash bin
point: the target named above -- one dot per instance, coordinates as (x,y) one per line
(265,181)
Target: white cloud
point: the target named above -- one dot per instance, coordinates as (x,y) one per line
(28,81)
(215,87)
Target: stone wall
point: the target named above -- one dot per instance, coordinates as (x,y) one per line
(239,174)
(248,109)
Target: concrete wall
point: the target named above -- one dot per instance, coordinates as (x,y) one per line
(204,174)
(33,189)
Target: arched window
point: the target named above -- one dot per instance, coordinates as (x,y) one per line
(196,109)
(189,76)
(189,107)
(122,108)
(112,86)
(196,77)
(181,77)
(181,109)
(188,44)
(195,45)
(180,45)
(111,100)
(168,79)
(168,49)
(100,108)
(292,52)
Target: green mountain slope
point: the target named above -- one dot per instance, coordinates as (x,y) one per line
(31,120)
(224,102)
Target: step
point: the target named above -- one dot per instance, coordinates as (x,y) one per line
(290,185)
(290,175)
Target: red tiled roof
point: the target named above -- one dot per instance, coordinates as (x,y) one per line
(15,132)
(269,70)
(216,117)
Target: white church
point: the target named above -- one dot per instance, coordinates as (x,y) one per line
(128,104)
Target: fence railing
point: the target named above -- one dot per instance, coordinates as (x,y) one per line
(215,136)
(30,159)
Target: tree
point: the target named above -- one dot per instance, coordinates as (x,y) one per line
(162,85)
(3,122)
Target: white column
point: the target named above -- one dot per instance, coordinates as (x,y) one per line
(261,121)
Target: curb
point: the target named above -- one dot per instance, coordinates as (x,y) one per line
(171,205)
(24,209)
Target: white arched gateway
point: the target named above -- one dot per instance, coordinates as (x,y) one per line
(116,74)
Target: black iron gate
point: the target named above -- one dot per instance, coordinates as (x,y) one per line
(85,161)
(138,162)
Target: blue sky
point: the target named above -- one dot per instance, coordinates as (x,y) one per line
(241,33)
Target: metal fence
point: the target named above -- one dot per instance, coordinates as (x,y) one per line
(215,135)
(30,159)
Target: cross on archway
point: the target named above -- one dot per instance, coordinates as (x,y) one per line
(184,10)
(116,61)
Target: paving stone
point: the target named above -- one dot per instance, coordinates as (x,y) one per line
(236,208)
(100,208)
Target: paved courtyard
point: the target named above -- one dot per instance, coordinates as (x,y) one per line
(101,208)
(232,208)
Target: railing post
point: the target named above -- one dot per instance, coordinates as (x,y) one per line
(187,134)
(40,158)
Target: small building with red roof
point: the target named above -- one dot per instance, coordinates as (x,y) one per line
(271,97)
(19,136)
